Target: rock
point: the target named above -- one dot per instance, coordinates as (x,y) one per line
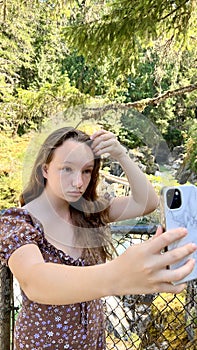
(178,163)
(161,152)
(143,156)
(184,174)
(145,159)
(177,153)
(117,321)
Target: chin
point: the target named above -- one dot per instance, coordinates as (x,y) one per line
(73,199)
(77,204)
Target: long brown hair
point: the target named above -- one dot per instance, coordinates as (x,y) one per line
(90,214)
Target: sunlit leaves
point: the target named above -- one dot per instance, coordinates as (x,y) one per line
(129,26)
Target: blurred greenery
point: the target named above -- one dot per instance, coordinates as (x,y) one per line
(59,58)
(11,166)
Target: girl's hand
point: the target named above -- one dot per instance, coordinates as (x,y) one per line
(143,266)
(143,198)
(106,142)
(158,232)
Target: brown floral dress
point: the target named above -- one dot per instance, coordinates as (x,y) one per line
(38,326)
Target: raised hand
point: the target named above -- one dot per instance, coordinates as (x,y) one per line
(106,142)
(144,268)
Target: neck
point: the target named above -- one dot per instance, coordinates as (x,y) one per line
(58,206)
(46,205)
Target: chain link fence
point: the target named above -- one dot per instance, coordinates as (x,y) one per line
(133,322)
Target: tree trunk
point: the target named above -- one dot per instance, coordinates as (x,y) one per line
(5,307)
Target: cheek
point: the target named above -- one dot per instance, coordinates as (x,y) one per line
(63,178)
(55,178)
(87,180)
(88,177)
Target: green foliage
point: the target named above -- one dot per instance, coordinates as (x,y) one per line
(170,315)
(191,148)
(88,79)
(32,85)
(42,75)
(28,109)
(121,28)
(173,136)
(11,163)
(129,138)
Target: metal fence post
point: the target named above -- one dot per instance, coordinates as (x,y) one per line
(5,307)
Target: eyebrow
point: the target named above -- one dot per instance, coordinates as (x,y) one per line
(89,165)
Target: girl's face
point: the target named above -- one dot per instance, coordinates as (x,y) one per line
(69,172)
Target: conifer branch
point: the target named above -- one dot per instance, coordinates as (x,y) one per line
(140,105)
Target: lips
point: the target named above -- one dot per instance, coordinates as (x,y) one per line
(74,193)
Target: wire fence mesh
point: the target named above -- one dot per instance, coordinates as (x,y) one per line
(150,322)
(133,322)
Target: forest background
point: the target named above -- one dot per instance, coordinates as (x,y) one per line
(60,57)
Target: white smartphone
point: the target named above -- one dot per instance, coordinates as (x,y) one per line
(178,207)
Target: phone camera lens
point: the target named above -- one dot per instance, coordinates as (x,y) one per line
(174,198)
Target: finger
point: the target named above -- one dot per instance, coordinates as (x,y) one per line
(104,146)
(159,232)
(176,255)
(98,133)
(168,237)
(102,136)
(100,140)
(179,273)
(171,288)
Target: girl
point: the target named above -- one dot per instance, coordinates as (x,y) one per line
(57,244)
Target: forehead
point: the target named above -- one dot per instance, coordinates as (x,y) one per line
(74,152)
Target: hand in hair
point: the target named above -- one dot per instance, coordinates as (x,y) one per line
(143,198)
(106,142)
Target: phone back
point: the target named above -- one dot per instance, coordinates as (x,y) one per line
(179,209)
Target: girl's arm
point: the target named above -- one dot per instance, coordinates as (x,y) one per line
(140,269)
(143,198)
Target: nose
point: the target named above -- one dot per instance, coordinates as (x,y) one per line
(77,180)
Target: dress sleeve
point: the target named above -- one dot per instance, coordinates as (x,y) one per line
(17,229)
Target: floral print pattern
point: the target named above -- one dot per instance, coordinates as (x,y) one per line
(39,326)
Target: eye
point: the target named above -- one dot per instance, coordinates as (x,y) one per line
(87,171)
(66,169)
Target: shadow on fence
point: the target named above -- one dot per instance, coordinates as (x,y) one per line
(134,322)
